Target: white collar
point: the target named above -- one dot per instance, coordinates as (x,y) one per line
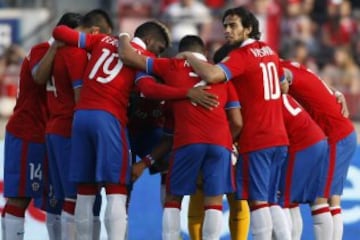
(139,42)
(199,56)
(247,42)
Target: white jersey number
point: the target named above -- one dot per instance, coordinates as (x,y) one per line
(293,111)
(35,171)
(104,61)
(270,81)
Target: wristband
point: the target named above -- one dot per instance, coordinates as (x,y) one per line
(124,34)
(148,160)
(337,93)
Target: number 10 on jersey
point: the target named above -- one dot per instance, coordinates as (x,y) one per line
(270,81)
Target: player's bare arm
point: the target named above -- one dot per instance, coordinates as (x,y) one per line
(157,154)
(200,96)
(42,72)
(77,94)
(207,72)
(128,55)
(235,122)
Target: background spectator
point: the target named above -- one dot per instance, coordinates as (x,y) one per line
(349,80)
(187,17)
(10,64)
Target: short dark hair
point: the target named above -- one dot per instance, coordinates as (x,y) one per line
(97,17)
(192,43)
(248,19)
(154,28)
(70,19)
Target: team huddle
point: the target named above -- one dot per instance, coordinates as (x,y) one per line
(265,131)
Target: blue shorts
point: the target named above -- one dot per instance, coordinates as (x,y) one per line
(59,150)
(100,149)
(23,163)
(258,174)
(47,202)
(211,162)
(340,155)
(302,174)
(143,142)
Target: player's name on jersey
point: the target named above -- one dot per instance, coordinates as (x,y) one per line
(262,52)
(110,40)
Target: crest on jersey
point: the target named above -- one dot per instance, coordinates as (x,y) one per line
(35,186)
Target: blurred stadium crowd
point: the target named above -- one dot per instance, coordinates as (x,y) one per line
(322,34)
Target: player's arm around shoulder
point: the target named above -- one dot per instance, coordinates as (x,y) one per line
(77,38)
(67,35)
(42,72)
(128,55)
(206,71)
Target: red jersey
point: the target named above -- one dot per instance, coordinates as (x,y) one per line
(319,101)
(67,73)
(195,124)
(301,128)
(107,82)
(255,72)
(30,113)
